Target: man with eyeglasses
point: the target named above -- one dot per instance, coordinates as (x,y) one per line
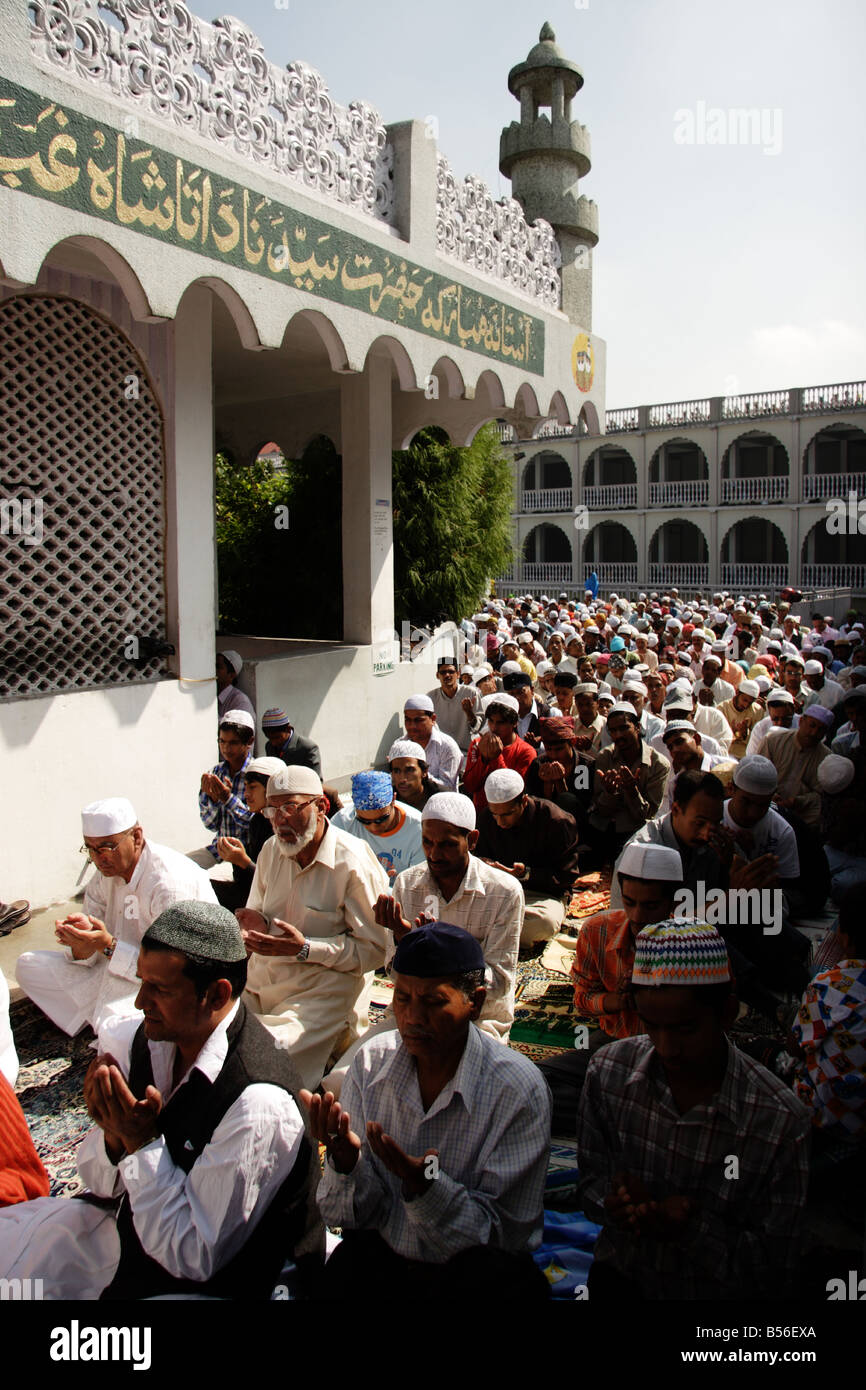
(94,978)
(310,928)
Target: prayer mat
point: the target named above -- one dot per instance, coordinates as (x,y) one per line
(49,1089)
(591,894)
(544,1018)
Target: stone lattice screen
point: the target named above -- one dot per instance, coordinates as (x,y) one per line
(215,82)
(82,512)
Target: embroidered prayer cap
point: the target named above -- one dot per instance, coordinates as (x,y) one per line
(301,780)
(798,660)
(108,817)
(422,702)
(813,668)
(780,697)
(467,671)
(630,685)
(680,952)
(241,718)
(199,929)
(822,651)
(372,791)
(503,785)
(452,808)
(823,716)
(543,667)
(622,707)
(750,688)
(265,767)
(233,659)
(275,718)
(557,729)
(586,688)
(835,774)
(511,668)
(507,702)
(436,951)
(525,639)
(756,775)
(654,862)
(678,726)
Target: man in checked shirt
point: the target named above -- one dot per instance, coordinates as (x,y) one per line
(692,1156)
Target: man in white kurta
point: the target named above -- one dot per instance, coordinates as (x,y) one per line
(94,979)
(310,927)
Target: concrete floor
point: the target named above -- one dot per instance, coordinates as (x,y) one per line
(37,935)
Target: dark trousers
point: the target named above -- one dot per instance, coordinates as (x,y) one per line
(565,1073)
(363,1261)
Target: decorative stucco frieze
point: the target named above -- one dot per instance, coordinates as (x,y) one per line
(495,237)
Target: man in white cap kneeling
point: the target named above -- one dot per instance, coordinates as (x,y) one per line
(309,926)
(535,842)
(94,979)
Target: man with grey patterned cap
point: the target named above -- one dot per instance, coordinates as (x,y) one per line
(309,927)
(94,979)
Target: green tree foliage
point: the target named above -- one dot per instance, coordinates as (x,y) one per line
(452,524)
(280,580)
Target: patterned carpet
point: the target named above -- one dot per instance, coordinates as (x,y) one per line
(49,1089)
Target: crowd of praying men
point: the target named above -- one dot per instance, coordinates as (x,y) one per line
(703,756)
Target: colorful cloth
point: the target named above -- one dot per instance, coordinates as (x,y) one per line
(831,1028)
(603,963)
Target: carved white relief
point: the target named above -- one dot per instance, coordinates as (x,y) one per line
(495,237)
(215,80)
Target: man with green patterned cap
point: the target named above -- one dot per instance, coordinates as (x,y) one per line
(198,1134)
(692,1156)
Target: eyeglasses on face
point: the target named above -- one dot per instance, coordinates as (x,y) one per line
(288,808)
(91,850)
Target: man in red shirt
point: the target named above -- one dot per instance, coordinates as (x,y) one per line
(601,971)
(497,747)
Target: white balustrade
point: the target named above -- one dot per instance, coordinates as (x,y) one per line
(690,492)
(757,403)
(608,498)
(614,572)
(818,486)
(545,572)
(833,576)
(691,575)
(767,489)
(679,413)
(622,420)
(549,499)
(849,395)
(749,577)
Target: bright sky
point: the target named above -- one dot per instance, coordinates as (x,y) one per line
(720,267)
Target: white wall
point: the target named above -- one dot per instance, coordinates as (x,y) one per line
(149,743)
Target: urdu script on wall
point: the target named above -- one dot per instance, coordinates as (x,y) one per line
(53,152)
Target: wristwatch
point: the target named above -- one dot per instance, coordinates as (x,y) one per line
(108,951)
(304,951)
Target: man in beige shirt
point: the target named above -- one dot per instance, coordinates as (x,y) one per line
(796,754)
(310,928)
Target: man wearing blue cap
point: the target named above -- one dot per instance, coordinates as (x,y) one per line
(437,1156)
(391,829)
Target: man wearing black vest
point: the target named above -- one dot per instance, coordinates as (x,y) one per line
(199,1137)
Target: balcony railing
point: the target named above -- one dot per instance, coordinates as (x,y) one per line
(758,403)
(545,572)
(620,421)
(818,486)
(833,576)
(614,572)
(507,433)
(843,397)
(755,489)
(679,413)
(691,575)
(548,499)
(607,498)
(687,493)
(751,577)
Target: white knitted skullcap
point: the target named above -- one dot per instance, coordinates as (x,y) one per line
(452,808)
(503,785)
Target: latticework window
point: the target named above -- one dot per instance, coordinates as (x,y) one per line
(82,512)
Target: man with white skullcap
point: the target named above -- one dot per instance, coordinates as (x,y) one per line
(648,877)
(742,712)
(662,1117)
(535,842)
(781,714)
(756,826)
(843,821)
(455,886)
(498,747)
(310,928)
(221,802)
(229,665)
(135,880)
(442,752)
(820,690)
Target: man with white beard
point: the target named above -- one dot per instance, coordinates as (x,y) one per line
(309,927)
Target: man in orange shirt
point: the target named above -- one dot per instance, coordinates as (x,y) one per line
(649,877)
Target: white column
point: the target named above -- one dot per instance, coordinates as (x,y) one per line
(191,533)
(368,551)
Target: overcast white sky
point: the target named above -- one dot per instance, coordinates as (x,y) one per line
(719,268)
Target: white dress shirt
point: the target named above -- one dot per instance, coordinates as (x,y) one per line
(491,1127)
(194,1223)
(443,757)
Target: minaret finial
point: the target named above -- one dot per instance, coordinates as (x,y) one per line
(546,32)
